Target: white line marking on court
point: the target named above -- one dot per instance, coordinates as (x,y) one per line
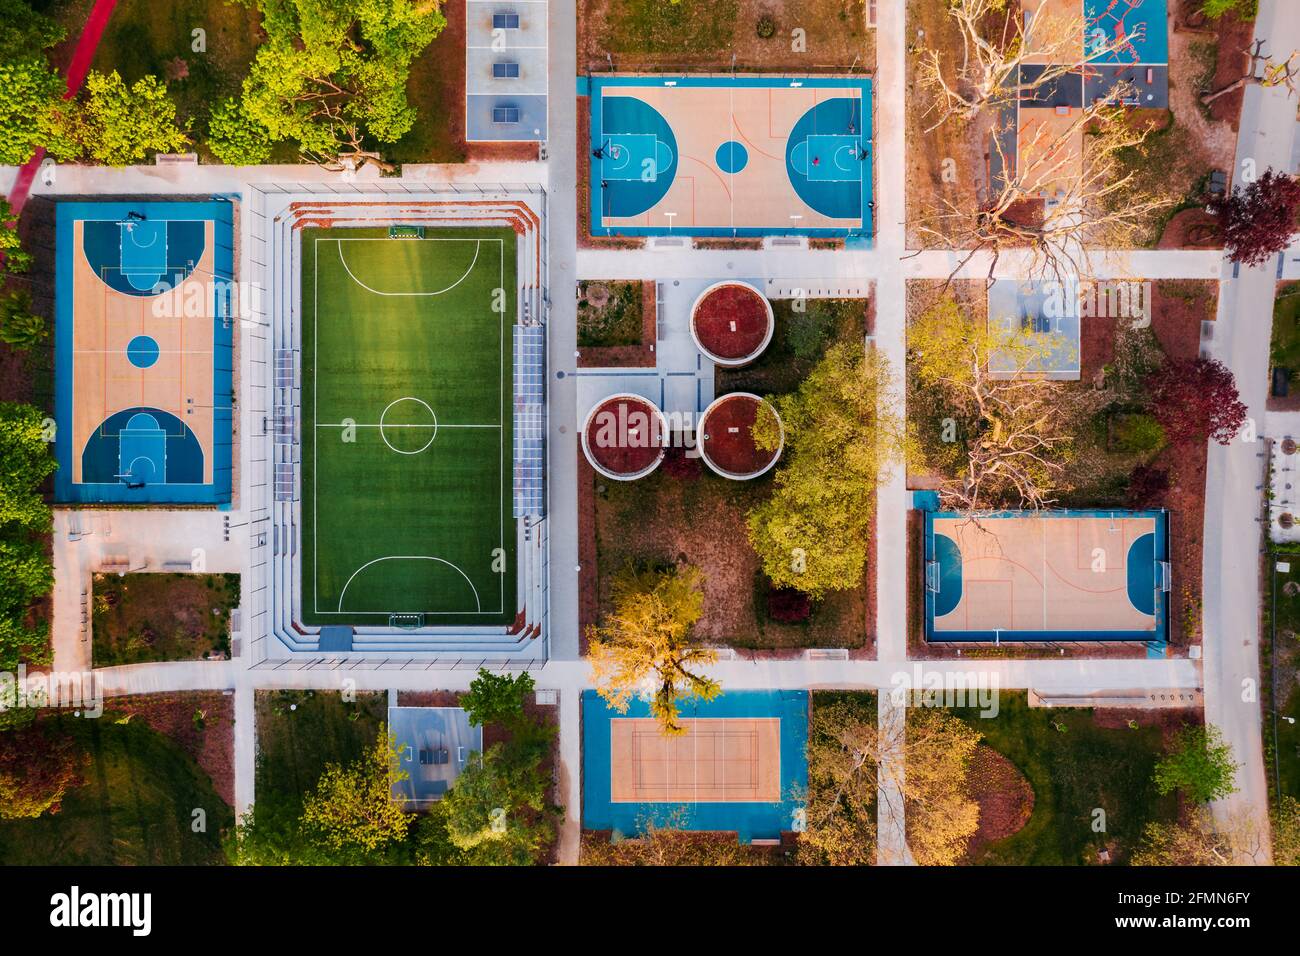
(478,605)
(408,398)
(478,244)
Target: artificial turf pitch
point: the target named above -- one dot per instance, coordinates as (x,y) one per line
(406,426)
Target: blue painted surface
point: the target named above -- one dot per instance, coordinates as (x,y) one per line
(749,820)
(142,351)
(631,179)
(1141,569)
(731,157)
(1144,577)
(179,227)
(834,188)
(1144,22)
(925,500)
(948,554)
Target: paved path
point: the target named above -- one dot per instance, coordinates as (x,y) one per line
(1232,504)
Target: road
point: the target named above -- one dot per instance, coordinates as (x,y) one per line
(1235,472)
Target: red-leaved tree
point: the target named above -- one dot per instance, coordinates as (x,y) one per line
(1196,399)
(1258,221)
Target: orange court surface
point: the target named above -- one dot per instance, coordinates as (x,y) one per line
(1061,575)
(731,156)
(144,353)
(727,760)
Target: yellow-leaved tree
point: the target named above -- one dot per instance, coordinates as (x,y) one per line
(353,806)
(644,644)
(814,532)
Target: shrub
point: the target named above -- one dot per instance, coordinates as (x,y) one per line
(788,605)
(1139,433)
(766,27)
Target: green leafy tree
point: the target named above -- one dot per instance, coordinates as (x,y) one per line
(433,843)
(19,326)
(235,138)
(13,258)
(644,644)
(116,124)
(25,462)
(1199,763)
(25,522)
(497,811)
(814,532)
(331,77)
(498,699)
(30,85)
(354,805)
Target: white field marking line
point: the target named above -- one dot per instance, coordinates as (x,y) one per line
(418,401)
(478,244)
(478,605)
(386,425)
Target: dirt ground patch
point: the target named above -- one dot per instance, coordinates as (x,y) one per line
(1004,795)
(201,722)
(656,36)
(162,617)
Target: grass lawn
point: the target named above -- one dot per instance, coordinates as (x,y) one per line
(646,33)
(1284,346)
(1282,754)
(299,732)
(1073,772)
(162,617)
(407,410)
(135,807)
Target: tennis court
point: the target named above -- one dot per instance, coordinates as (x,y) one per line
(730,156)
(407,440)
(740,765)
(1054,575)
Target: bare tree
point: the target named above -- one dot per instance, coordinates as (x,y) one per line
(998,45)
(1065,189)
(1262,70)
(1012,426)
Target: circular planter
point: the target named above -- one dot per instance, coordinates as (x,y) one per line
(1286,520)
(732,323)
(1288,446)
(625,437)
(726,441)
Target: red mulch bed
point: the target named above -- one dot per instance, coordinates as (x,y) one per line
(1191,229)
(1170,720)
(212,748)
(1233,38)
(729,440)
(731,321)
(628,453)
(1005,798)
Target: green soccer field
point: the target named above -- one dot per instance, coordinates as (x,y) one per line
(406,426)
